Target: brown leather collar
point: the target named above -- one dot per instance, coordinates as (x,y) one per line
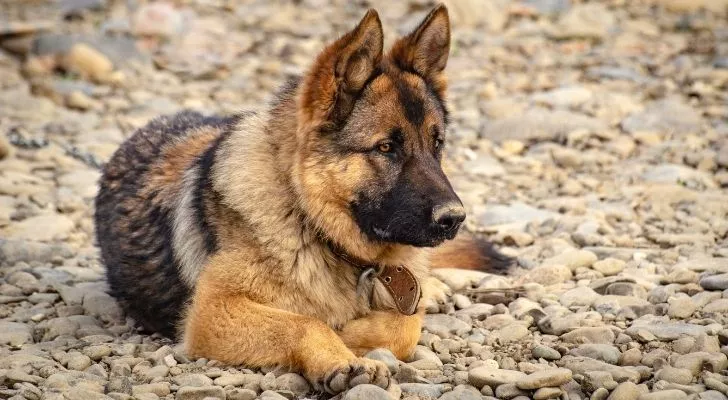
(397,279)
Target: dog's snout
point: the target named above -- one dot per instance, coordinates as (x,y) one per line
(448,216)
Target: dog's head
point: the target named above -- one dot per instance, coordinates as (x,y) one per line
(371,131)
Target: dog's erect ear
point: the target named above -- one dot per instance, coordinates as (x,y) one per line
(340,72)
(425,50)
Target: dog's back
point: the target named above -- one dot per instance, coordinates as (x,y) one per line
(138,206)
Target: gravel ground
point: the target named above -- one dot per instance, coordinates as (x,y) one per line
(589,140)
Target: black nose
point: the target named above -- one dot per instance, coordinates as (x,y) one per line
(448,216)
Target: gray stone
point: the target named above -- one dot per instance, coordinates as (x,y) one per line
(197,380)
(443,325)
(15,334)
(422,389)
(547,393)
(715,282)
(602,335)
(386,356)
(482,376)
(671,115)
(544,378)
(625,391)
(579,296)
(366,392)
(517,214)
(601,352)
(200,393)
(680,376)
(545,352)
(672,394)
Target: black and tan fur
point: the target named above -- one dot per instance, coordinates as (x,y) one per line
(221,231)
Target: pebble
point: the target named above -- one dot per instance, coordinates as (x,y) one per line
(544,378)
(366,392)
(609,266)
(15,334)
(673,394)
(545,352)
(482,376)
(601,352)
(547,393)
(625,391)
(386,356)
(200,393)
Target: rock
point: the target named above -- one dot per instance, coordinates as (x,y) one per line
(200,393)
(545,352)
(458,279)
(14,251)
(366,392)
(78,361)
(512,333)
(589,21)
(544,378)
(668,116)
(509,391)
(673,394)
(443,325)
(161,389)
(484,166)
(293,382)
(609,266)
(101,304)
(603,335)
(548,275)
(88,62)
(515,214)
(681,307)
(625,391)
(579,296)
(462,392)
(667,331)
(547,393)
(472,13)
(386,356)
(482,376)
(716,306)
(572,259)
(601,352)
(244,394)
(42,228)
(675,173)
(674,375)
(564,97)
(15,334)
(425,390)
(196,380)
(159,19)
(715,282)
(582,365)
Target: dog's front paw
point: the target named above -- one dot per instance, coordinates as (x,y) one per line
(436,291)
(355,372)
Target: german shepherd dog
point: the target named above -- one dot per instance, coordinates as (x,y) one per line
(302,236)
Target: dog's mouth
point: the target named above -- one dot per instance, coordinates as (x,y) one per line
(427,237)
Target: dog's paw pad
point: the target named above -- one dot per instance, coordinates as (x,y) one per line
(356,372)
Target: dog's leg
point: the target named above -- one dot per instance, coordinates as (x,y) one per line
(230,328)
(387,329)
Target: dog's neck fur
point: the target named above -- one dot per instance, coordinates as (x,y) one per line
(257,175)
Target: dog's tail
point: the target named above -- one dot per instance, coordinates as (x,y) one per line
(467,251)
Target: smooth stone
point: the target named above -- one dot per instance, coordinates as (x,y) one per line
(672,394)
(547,393)
(482,376)
(15,334)
(674,375)
(200,393)
(386,356)
(544,378)
(625,391)
(715,282)
(545,352)
(600,335)
(366,392)
(422,389)
(601,352)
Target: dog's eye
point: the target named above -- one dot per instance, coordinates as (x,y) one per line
(385,147)
(438,143)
